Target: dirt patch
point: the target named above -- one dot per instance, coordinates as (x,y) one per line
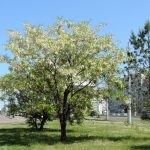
(7,119)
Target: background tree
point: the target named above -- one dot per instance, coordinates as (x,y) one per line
(113,89)
(66,60)
(141,62)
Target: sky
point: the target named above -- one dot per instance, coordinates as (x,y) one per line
(121,16)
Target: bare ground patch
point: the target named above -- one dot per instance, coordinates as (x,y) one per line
(8,119)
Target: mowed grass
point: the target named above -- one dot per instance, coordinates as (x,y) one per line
(88,136)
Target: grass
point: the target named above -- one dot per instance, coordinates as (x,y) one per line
(135,120)
(90,135)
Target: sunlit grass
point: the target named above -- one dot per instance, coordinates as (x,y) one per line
(135,120)
(88,136)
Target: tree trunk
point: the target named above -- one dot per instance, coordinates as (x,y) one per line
(63,130)
(43,122)
(35,124)
(63,116)
(135,113)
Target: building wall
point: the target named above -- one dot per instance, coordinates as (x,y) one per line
(99,106)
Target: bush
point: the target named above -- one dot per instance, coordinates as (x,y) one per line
(37,116)
(145,115)
(93,113)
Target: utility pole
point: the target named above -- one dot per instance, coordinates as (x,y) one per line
(107,103)
(107,110)
(149,67)
(129,87)
(129,99)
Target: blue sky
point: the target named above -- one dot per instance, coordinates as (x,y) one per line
(121,16)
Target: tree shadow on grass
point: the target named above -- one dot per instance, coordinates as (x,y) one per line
(72,139)
(20,130)
(24,137)
(27,137)
(141,147)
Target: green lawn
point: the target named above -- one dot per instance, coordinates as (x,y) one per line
(88,136)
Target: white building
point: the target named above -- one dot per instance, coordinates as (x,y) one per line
(99,106)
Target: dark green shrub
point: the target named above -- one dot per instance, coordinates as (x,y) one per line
(93,113)
(145,115)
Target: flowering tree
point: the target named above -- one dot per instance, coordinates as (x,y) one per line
(64,63)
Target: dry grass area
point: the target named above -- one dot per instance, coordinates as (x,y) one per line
(6,119)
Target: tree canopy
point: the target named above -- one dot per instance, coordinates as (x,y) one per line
(63,65)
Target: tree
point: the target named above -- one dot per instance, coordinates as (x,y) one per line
(141,60)
(114,89)
(25,102)
(67,61)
